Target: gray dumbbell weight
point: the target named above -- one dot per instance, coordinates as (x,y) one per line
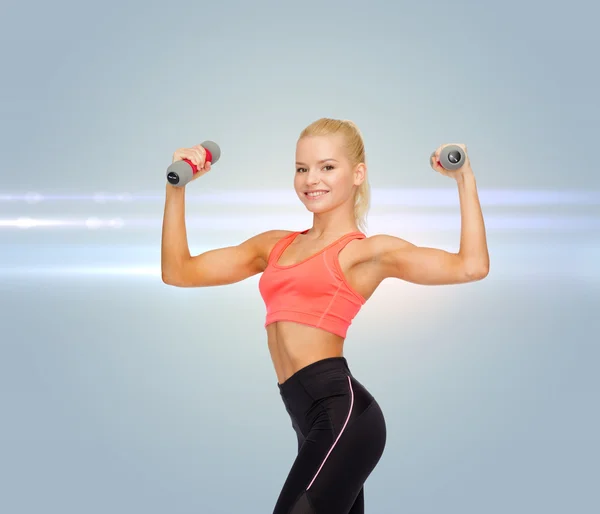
(181,172)
(452,157)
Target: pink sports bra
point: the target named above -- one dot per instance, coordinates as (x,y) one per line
(312,292)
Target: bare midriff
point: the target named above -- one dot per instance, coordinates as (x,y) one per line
(294,346)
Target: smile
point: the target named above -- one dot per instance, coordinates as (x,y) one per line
(315,194)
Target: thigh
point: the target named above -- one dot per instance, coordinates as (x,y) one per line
(329,472)
(312,449)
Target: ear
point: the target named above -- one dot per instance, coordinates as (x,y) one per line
(360,173)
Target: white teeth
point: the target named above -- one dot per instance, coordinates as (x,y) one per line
(318,193)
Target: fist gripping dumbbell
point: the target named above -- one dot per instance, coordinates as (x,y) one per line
(452,157)
(181,172)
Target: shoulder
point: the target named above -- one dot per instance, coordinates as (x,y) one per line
(270,238)
(378,247)
(264,242)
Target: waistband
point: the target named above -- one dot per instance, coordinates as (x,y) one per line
(312,372)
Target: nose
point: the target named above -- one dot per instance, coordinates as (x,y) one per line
(312,177)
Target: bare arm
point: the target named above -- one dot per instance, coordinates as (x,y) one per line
(214,267)
(175,251)
(430,266)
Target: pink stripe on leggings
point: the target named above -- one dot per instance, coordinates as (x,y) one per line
(338,437)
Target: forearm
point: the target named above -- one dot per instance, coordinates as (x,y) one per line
(174,247)
(473,241)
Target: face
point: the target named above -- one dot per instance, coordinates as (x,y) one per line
(324,177)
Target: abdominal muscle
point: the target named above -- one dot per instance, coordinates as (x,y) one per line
(294,346)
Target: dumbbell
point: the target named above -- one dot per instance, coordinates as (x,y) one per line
(181,172)
(452,157)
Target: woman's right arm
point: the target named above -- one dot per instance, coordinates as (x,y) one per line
(214,267)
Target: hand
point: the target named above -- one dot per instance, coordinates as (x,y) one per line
(197,156)
(455,174)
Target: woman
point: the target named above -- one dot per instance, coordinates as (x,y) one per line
(313,283)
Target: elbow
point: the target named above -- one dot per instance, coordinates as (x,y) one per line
(177,278)
(171,277)
(172,272)
(475,270)
(168,279)
(174,281)
(476,273)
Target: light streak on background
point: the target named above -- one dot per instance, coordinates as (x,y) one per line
(416,222)
(380,197)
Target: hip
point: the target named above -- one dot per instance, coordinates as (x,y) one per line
(325,393)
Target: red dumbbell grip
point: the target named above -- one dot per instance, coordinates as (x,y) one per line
(194,168)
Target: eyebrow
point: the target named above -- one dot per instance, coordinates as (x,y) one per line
(320,162)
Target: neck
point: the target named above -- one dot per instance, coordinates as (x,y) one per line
(328,225)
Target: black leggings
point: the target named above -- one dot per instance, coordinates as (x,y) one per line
(341,437)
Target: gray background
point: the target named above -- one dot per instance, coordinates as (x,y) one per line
(120,394)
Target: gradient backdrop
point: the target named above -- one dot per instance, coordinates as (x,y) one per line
(120,394)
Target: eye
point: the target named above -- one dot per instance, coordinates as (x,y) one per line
(329,167)
(300,170)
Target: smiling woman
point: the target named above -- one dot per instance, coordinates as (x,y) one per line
(348,144)
(313,283)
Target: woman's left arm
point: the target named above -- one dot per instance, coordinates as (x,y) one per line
(398,258)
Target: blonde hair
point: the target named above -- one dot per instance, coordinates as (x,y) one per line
(355,150)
